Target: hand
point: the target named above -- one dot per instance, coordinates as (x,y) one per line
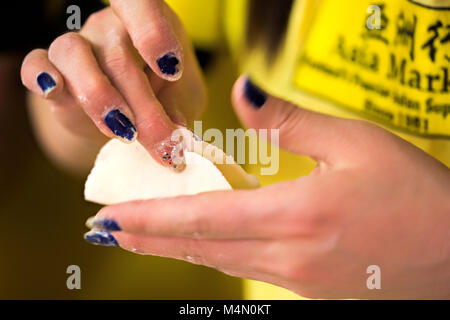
(373,199)
(123,71)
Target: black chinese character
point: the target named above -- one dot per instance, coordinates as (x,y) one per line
(431,43)
(406,32)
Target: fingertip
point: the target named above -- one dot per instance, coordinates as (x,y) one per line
(248,99)
(39,75)
(152,35)
(247,92)
(239,84)
(170,153)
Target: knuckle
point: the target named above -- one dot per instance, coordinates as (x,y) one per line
(307,217)
(91,20)
(289,118)
(116,62)
(96,90)
(96,95)
(65,44)
(142,39)
(32,56)
(312,220)
(145,37)
(196,226)
(95,18)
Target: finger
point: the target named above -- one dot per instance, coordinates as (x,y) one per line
(91,88)
(118,61)
(242,214)
(251,259)
(152,35)
(206,252)
(40,76)
(190,88)
(324,138)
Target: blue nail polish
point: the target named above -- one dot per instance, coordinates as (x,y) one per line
(46,82)
(107,224)
(255,95)
(168,64)
(120,125)
(102,238)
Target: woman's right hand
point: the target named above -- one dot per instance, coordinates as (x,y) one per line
(123,70)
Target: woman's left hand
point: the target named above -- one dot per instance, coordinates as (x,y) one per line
(373,199)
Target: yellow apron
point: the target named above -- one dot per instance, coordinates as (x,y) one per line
(389,64)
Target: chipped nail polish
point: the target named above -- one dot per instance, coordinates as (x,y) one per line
(120,125)
(168,64)
(46,82)
(254,95)
(101,238)
(103,223)
(172,154)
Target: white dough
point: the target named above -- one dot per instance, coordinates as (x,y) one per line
(125,172)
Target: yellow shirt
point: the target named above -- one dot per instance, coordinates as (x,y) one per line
(388,64)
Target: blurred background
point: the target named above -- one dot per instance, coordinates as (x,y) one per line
(42,210)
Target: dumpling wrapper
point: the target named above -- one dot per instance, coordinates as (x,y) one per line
(125,172)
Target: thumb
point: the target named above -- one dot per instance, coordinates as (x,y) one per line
(317,135)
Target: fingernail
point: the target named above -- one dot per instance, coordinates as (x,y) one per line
(168,64)
(102,238)
(46,82)
(254,95)
(103,223)
(172,154)
(121,126)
